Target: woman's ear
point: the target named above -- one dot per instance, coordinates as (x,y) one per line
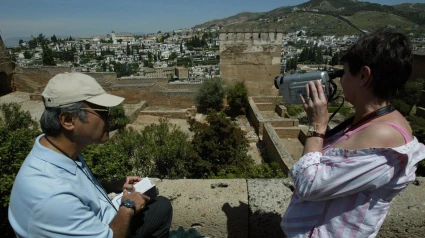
(366,75)
(67,121)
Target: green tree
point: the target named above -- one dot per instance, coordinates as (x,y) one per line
(27,54)
(32,44)
(237,98)
(150,56)
(17,133)
(211,94)
(118,119)
(172,56)
(168,148)
(41,38)
(128,50)
(54,39)
(47,56)
(221,146)
(409,97)
(21,41)
(335,59)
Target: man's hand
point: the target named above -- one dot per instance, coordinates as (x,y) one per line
(138,198)
(130,192)
(129,181)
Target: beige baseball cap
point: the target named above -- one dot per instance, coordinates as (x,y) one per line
(69,88)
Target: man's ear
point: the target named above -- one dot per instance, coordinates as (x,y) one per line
(366,75)
(67,121)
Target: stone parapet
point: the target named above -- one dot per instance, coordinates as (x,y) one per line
(276,151)
(243,208)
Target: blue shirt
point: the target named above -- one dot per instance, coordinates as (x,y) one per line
(52,197)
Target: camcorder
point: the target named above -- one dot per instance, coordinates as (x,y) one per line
(291,86)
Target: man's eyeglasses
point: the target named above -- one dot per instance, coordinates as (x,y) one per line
(96,109)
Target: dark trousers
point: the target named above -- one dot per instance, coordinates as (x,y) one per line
(154,220)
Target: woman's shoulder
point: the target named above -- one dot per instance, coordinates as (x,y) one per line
(389,133)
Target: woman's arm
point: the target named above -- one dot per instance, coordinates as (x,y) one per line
(319,178)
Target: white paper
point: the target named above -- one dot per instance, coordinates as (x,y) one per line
(141,187)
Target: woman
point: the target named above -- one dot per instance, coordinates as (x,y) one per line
(345,181)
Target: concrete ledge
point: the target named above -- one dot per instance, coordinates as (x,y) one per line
(242,208)
(215,208)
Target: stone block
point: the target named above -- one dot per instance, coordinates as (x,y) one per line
(215,208)
(268,199)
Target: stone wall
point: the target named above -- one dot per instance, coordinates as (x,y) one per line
(276,151)
(104,77)
(7,68)
(154,95)
(418,69)
(240,208)
(251,56)
(34,79)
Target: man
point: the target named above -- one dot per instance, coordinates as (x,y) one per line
(55,194)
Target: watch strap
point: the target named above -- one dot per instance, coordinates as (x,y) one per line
(129,204)
(316,134)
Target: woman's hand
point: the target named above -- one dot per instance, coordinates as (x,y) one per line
(316,106)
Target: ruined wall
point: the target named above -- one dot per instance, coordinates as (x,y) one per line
(33,79)
(155,95)
(7,68)
(252,56)
(418,69)
(102,77)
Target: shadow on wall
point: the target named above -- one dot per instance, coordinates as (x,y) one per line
(261,224)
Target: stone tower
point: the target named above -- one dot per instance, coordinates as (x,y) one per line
(251,55)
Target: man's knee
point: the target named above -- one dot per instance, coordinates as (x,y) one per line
(163,206)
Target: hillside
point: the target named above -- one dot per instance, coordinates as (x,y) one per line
(238,18)
(337,17)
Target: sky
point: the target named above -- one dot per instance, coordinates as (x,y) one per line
(23,18)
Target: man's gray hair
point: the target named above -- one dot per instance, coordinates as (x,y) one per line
(50,123)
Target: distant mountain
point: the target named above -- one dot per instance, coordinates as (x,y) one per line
(236,19)
(336,17)
(14,41)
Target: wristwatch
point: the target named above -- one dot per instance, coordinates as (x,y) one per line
(312,131)
(129,204)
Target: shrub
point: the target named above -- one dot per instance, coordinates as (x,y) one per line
(220,145)
(210,95)
(222,149)
(408,97)
(237,98)
(293,110)
(161,151)
(118,119)
(17,133)
(167,149)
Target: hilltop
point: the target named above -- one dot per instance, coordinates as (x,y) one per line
(336,17)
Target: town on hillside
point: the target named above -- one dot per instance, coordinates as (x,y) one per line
(181,55)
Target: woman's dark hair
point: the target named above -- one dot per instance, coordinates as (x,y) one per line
(388,55)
